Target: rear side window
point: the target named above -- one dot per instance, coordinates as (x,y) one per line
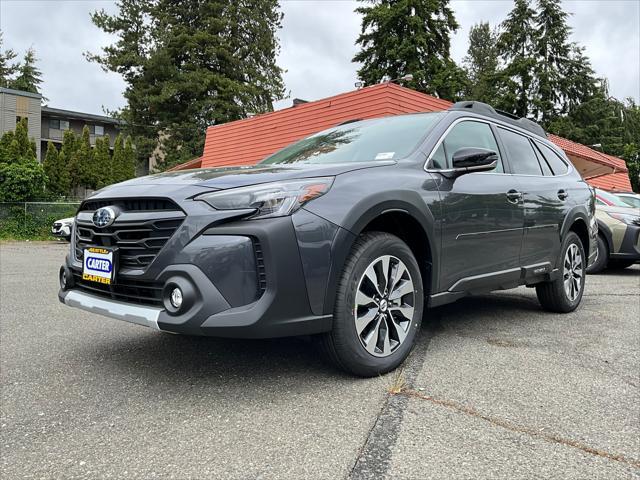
(470,134)
(557,165)
(521,155)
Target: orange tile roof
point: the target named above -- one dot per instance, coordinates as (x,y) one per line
(579,150)
(618,182)
(193,163)
(247,141)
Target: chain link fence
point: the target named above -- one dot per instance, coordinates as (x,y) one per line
(32,220)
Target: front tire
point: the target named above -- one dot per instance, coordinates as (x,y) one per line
(378,309)
(563,295)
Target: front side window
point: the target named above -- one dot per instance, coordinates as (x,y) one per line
(389,138)
(522,157)
(467,134)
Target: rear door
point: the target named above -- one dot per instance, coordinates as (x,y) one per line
(545,197)
(482,215)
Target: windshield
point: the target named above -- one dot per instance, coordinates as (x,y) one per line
(388,138)
(611,198)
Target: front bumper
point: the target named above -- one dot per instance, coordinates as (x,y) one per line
(230,291)
(626,242)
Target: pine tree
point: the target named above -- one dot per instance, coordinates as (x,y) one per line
(58,182)
(400,37)
(101,163)
(7,67)
(21,176)
(563,75)
(117,160)
(129,160)
(80,162)
(18,148)
(188,65)
(29,77)
(66,157)
(482,62)
(604,120)
(516,44)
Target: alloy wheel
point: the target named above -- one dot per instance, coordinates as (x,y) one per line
(384,305)
(573,272)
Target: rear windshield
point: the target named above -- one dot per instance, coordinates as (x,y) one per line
(381,139)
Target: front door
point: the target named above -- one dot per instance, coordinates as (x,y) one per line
(482,217)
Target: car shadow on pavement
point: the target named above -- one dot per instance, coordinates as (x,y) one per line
(179,359)
(620,272)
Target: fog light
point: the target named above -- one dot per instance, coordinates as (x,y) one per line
(176,298)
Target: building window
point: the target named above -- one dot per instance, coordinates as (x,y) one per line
(59,124)
(19,119)
(97,130)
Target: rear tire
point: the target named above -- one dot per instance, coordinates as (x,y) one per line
(563,295)
(379,289)
(603,257)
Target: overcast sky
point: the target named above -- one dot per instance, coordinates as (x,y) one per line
(317,42)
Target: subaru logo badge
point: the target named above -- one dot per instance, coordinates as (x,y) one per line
(103,217)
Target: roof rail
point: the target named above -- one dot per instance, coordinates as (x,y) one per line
(488,111)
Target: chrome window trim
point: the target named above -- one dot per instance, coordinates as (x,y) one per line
(496,125)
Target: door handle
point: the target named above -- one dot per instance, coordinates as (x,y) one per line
(562,194)
(514,196)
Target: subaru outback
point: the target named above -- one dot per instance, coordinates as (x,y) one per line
(347,235)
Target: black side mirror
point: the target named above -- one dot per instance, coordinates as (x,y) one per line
(474,160)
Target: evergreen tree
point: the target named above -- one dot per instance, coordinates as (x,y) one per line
(482,63)
(563,75)
(58,182)
(516,45)
(17,146)
(400,37)
(66,156)
(7,67)
(604,120)
(80,162)
(21,176)
(29,77)
(101,163)
(188,65)
(117,160)
(129,160)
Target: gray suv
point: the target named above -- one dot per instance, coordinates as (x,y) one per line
(347,235)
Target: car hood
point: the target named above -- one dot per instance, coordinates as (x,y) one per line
(621,210)
(231,177)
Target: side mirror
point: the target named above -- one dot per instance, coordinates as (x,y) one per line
(474,160)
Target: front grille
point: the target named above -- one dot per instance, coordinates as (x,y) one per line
(131,204)
(138,239)
(132,291)
(138,242)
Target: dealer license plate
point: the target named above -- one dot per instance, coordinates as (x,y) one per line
(99,265)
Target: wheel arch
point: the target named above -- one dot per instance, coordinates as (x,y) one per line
(400,218)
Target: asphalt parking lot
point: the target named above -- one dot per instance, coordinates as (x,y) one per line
(496,388)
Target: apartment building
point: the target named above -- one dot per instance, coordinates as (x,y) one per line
(49,124)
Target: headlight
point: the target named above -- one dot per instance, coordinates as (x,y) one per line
(275,199)
(627,218)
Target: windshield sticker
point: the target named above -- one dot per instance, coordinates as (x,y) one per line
(385,155)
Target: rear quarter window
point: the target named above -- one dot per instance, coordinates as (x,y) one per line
(557,165)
